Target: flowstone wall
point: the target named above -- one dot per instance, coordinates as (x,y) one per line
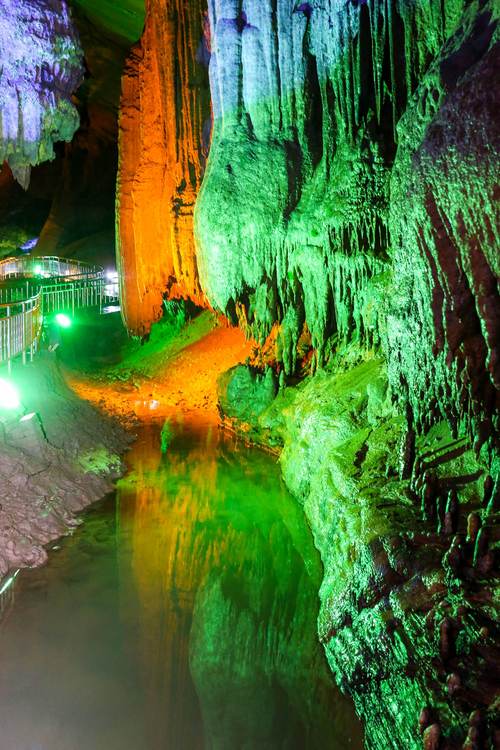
(164,130)
(350,188)
(350,194)
(408,600)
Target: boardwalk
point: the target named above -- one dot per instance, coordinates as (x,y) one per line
(31,288)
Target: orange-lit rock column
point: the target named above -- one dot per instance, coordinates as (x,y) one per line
(164,128)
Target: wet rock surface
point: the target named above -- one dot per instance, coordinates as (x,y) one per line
(58,460)
(244,394)
(41,68)
(408,600)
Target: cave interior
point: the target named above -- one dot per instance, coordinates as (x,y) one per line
(314,187)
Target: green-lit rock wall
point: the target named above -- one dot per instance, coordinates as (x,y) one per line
(408,600)
(349,200)
(350,187)
(443,324)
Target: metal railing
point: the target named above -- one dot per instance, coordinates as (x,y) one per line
(20,328)
(33,287)
(66,296)
(60,293)
(45,266)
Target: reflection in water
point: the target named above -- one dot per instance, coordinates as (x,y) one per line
(182,615)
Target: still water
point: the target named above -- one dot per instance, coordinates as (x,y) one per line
(180,615)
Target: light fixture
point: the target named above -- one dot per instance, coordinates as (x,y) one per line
(7,583)
(9,397)
(62,320)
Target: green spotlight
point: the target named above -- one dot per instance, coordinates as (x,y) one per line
(38,270)
(63,320)
(9,397)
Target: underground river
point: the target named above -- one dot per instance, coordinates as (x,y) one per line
(180,615)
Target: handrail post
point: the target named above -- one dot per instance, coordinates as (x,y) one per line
(23,339)
(9,324)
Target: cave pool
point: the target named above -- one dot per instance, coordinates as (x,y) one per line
(180,615)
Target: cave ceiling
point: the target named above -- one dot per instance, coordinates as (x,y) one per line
(124,19)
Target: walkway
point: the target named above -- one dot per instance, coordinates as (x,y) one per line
(31,288)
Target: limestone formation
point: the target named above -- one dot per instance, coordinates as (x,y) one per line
(347,170)
(347,220)
(407,610)
(164,127)
(41,68)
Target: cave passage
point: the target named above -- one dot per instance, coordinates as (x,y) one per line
(235,223)
(182,614)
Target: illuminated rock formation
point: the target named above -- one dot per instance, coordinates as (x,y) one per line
(407,615)
(348,208)
(347,138)
(348,200)
(351,187)
(41,68)
(443,326)
(164,127)
(407,599)
(290,217)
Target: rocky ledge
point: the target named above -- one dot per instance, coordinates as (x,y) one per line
(406,532)
(57,455)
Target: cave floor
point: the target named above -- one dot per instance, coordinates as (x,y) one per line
(180,376)
(57,455)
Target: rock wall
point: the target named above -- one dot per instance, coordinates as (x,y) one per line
(350,188)
(408,614)
(41,68)
(407,600)
(164,129)
(443,326)
(350,191)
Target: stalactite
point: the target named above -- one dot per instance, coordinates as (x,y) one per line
(41,67)
(348,217)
